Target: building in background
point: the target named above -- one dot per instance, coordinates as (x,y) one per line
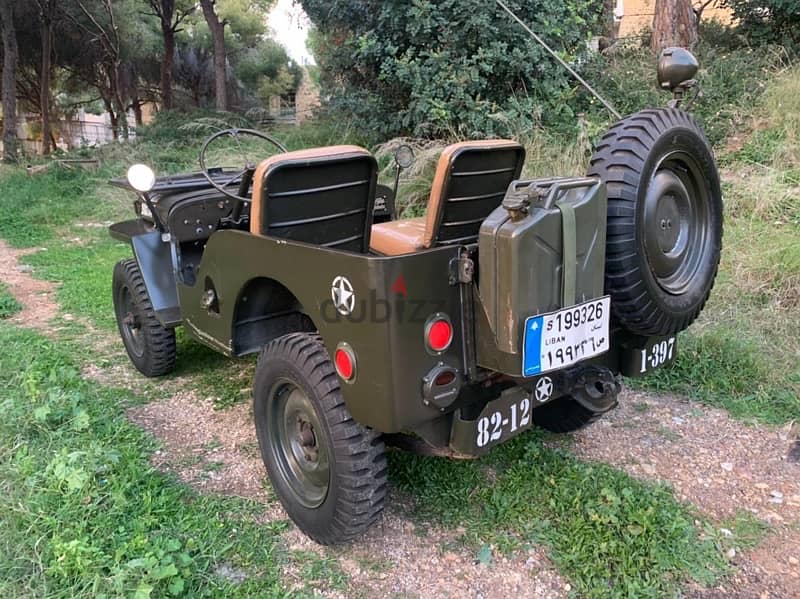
(633,16)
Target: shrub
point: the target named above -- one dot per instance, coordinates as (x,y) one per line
(452,68)
(768,21)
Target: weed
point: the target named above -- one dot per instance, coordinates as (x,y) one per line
(8,303)
(83,511)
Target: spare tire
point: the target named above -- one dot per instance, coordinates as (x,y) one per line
(664,236)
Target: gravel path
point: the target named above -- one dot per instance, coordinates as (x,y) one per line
(37,297)
(719,465)
(216,451)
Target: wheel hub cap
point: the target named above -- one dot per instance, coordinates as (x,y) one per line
(677,225)
(297,445)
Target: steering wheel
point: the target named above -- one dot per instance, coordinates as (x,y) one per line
(242,178)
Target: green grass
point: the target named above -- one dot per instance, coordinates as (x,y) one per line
(84,274)
(610,534)
(725,369)
(33,208)
(8,303)
(82,511)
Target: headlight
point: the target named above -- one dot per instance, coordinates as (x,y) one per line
(141,177)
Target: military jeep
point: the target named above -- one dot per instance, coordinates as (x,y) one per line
(512,303)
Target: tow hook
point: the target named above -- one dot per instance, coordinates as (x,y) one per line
(595,388)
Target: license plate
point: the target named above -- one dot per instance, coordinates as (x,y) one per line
(566,337)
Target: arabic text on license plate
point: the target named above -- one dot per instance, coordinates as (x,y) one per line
(560,339)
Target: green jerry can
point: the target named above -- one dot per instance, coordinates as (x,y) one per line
(544,249)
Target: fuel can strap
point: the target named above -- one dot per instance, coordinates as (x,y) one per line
(569,255)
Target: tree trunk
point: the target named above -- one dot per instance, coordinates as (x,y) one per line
(674,24)
(166,66)
(47,36)
(217,29)
(137,111)
(10,56)
(609,29)
(113,116)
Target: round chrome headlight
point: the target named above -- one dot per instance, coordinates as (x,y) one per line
(141,177)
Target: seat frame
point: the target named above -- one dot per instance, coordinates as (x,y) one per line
(325,156)
(415,239)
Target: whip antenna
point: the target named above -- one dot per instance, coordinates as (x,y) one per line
(561,61)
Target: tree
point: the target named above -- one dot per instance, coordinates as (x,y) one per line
(102,59)
(170,15)
(10,59)
(264,71)
(768,21)
(674,24)
(217,29)
(47,13)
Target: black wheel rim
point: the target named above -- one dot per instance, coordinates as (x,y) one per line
(130,323)
(298,445)
(677,222)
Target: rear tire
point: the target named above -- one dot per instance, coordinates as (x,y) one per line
(563,415)
(664,235)
(150,345)
(328,471)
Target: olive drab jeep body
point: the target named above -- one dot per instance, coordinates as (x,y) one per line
(512,303)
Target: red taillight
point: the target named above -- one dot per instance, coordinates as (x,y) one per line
(345,362)
(439,334)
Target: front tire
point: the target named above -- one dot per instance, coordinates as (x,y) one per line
(150,345)
(664,220)
(328,471)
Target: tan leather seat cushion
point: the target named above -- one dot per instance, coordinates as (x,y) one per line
(398,237)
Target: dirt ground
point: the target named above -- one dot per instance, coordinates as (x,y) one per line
(36,296)
(719,465)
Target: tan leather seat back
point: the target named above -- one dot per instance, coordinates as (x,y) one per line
(323,196)
(470,183)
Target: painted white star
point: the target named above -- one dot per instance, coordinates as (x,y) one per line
(343,296)
(544,389)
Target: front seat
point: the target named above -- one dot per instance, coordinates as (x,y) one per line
(470,183)
(324,196)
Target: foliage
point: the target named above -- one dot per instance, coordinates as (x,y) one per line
(453,68)
(108,56)
(768,21)
(83,511)
(8,303)
(732,78)
(264,70)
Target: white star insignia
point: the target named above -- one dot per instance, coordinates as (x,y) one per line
(343,295)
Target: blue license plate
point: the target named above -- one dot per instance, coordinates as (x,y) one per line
(559,339)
